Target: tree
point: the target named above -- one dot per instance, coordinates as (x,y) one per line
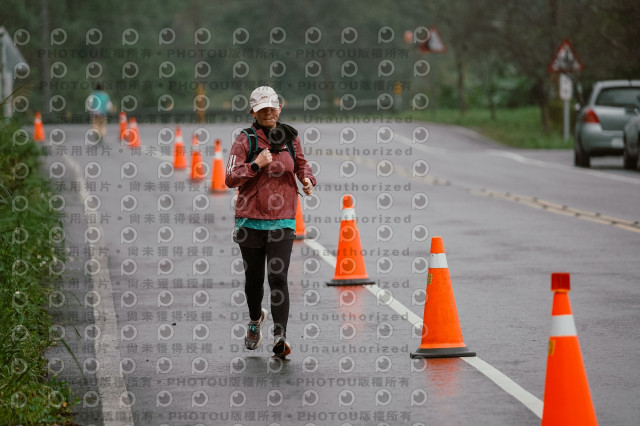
(483,38)
(529,40)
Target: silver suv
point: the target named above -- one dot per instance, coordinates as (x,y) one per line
(600,122)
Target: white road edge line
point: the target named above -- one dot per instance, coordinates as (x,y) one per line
(495,375)
(524,160)
(548,165)
(107,356)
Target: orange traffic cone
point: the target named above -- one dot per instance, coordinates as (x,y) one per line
(350,267)
(217,175)
(38,128)
(301,228)
(197,168)
(179,156)
(441,333)
(123,125)
(134,134)
(567,399)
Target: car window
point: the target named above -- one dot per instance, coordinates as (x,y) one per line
(619,97)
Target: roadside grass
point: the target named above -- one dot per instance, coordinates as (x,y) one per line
(32,254)
(518,127)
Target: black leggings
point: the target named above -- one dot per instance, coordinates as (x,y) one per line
(277,255)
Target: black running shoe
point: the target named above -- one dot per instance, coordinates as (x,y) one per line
(281,347)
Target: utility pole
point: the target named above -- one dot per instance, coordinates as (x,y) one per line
(44,60)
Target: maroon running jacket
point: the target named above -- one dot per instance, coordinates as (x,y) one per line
(272,192)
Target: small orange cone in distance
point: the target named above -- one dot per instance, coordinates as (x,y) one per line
(179,156)
(301,228)
(38,128)
(134,134)
(197,168)
(123,125)
(350,267)
(567,399)
(217,176)
(441,333)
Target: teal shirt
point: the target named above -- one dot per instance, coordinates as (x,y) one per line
(265,225)
(100,103)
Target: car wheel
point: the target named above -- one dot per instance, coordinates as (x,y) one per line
(638,157)
(628,159)
(581,159)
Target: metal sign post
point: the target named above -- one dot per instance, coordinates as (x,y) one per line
(566,92)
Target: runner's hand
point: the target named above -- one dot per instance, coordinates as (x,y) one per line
(264,158)
(308,187)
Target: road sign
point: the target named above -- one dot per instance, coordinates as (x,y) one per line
(434,43)
(566,87)
(565,60)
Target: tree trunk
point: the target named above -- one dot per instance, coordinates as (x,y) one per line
(491,90)
(462,103)
(44,59)
(544,117)
(540,93)
(328,93)
(492,105)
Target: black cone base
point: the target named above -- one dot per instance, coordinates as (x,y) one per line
(442,352)
(359,281)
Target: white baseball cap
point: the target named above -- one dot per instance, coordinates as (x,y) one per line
(264,97)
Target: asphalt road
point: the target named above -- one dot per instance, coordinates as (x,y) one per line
(153,265)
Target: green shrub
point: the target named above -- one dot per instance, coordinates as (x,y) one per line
(31,246)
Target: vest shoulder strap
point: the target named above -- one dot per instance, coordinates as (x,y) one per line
(253,144)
